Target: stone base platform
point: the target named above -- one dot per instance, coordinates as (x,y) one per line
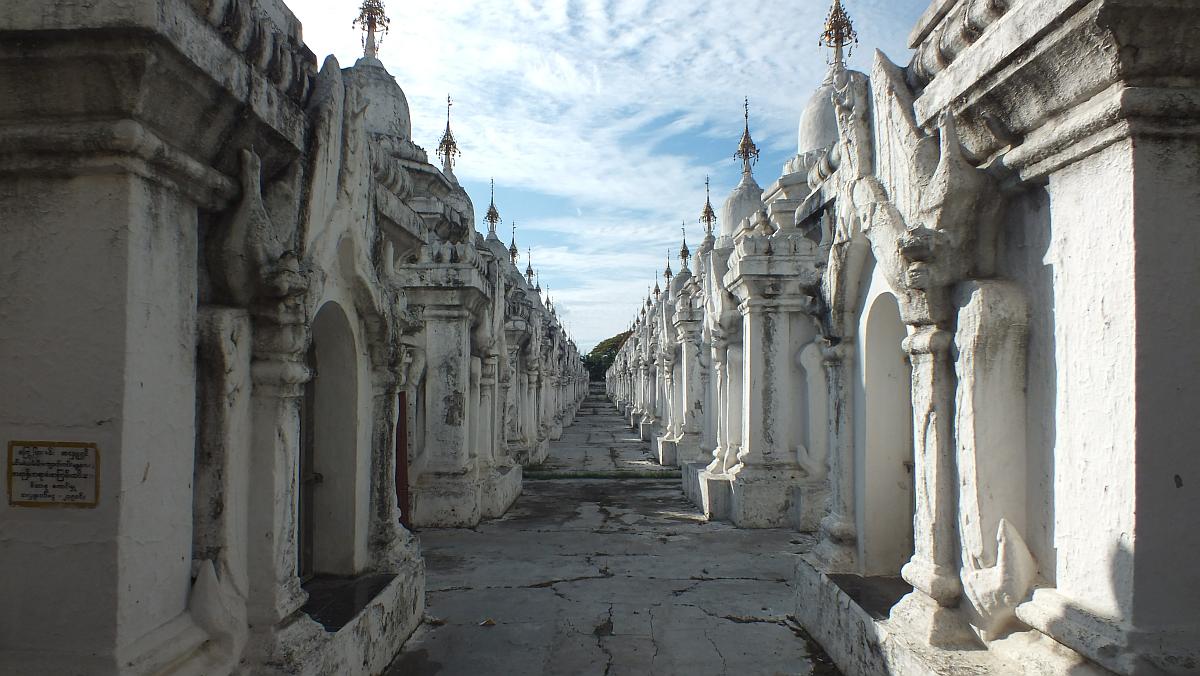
(500,490)
(665,451)
(366,644)
(710,492)
(850,617)
(541,451)
(760,498)
(446,501)
(648,429)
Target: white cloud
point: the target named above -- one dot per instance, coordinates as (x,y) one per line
(574,99)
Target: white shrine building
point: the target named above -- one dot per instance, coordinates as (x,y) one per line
(954,340)
(249,335)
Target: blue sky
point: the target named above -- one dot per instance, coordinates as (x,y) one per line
(599,119)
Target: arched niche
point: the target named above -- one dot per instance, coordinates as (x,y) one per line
(328,480)
(883,440)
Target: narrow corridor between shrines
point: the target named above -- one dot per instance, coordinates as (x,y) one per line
(603,567)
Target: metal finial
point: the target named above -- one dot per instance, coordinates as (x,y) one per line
(747,151)
(684,252)
(447,148)
(493,214)
(708,215)
(529,265)
(667,273)
(656,289)
(513,252)
(374,23)
(839,32)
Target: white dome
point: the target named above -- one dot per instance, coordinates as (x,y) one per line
(743,202)
(387,108)
(818,123)
(678,281)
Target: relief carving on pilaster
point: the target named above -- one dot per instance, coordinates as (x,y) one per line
(930,218)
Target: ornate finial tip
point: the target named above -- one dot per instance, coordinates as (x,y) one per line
(839,29)
(374,23)
(747,151)
(447,149)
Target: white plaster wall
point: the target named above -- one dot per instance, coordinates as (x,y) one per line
(58,568)
(816,436)
(1091,204)
(1167,263)
(1025,238)
(350,440)
(882,432)
(158,449)
(72,586)
(800,334)
(335,440)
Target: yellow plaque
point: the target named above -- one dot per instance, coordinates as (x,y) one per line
(53,474)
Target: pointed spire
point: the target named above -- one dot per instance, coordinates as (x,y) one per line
(447,148)
(538,282)
(513,252)
(492,218)
(684,252)
(708,215)
(529,266)
(839,33)
(747,151)
(656,289)
(374,23)
(667,274)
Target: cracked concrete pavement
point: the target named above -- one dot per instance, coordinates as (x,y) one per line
(601,444)
(608,576)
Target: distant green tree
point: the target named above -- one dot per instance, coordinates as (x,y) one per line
(601,357)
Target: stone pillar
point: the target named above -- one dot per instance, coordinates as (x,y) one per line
(501,479)
(665,443)
(447,492)
(933,569)
(557,407)
(691,392)
(641,377)
(474,418)
(279,374)
(837,549)
(766,491)
(720,354)
(528,410)
(489,410)
(384,512)
(649,421)
(734,374)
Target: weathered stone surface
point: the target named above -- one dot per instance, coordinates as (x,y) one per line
(998,243)
(608,576)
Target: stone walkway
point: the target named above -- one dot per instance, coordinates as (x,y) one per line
(608,576)
(600,445)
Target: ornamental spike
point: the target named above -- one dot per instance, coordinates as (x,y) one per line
(839,33)
(493,214)
(374,23)
(708,215)
(747,151)
(447,148)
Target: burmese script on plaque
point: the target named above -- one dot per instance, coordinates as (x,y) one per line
(53,474)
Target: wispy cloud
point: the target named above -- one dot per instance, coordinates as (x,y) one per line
(616,109)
